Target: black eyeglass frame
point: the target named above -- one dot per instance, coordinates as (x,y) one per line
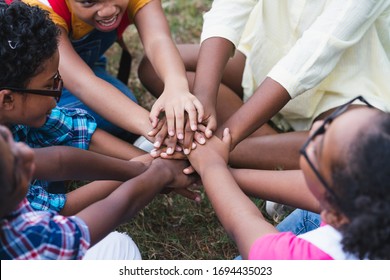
(321,130)
(56,92)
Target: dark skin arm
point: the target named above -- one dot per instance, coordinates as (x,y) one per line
(282,186)
(125,202)
(268,99)
(62,163)
(213,56)
(239,216)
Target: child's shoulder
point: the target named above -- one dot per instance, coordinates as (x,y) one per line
(26,232)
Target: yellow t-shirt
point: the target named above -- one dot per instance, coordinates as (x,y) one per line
(80,28)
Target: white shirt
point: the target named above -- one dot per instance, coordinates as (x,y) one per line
(323,52)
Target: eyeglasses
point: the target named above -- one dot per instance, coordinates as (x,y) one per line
(321,130)
(55,92)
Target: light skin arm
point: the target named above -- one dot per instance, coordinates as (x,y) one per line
(98,94)
(213,56)
(105,143)
(241,219)
(162,52)
(125,202)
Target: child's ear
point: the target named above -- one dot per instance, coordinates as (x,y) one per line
(7,101)
(333,218)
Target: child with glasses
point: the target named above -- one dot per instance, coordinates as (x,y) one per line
(29,234)
(344,176)
(87,30)
(29,85)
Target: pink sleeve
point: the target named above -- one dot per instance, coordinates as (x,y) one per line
(285,246)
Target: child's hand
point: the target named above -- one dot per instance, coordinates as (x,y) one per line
(146,159)
(187,193)
(161,138)
(214,151)
(204,131)
(173,169)
(175,107)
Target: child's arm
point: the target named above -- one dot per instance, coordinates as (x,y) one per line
(213,56)
(99,95)
(105,143)
(176,100)
(125,202)
(282,186)
(241,219)
(268,99)
(62,163)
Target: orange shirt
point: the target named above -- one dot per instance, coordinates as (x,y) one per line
(80,28)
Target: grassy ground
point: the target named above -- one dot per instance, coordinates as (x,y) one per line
(173,227)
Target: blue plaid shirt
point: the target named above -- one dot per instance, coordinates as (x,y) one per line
(65,126)
(28,234)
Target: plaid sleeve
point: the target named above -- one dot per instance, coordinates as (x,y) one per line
(65,126)
(43,235)
(41,200)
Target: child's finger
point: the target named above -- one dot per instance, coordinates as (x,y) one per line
(199,108)
(170,118)
(192,116)
(179,118)
(210,128)
(227,138)
(154,114)
(189,194)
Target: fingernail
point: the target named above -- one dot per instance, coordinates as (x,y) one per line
(171,133)
(169,151)
(186,151)
(180,136)
(194,127)
(202,140)
(156,144)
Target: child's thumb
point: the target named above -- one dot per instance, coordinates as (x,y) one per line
(227,138)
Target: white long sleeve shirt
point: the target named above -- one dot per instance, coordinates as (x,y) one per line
(323,52)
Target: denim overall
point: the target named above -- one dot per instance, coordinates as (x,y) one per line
(91,49)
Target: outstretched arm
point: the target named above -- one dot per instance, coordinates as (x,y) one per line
(58,163)
(282,186)
(176,100)
(99,95)
(213,56)
(241,219)
(268,99)
(125,202)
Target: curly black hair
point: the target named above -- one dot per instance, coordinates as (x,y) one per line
(28,37)
(362,182)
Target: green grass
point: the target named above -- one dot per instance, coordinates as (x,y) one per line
(173,227)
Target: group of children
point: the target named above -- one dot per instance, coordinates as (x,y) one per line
(301,64)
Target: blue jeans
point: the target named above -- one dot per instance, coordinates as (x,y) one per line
(298,222)
(91,49)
